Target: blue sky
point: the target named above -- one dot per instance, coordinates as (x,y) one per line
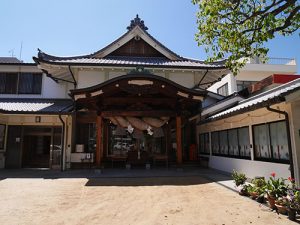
(76,27)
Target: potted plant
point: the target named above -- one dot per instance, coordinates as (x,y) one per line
(275,188)
(244,190)
(259,184)
(293,199)
(239,180)
(293,203)
(252,190)
(281,205)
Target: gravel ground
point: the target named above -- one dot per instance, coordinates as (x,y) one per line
(161,200)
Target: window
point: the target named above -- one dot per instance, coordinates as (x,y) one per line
(223,142)
(233,143)
(2,135)
(30,83)
(223,90)
(22,83)
(8,83)
(244,142)
(279,141)
(204,143)
(271,142)
(241,85)
(215,142)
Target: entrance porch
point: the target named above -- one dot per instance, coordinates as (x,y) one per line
(134,120)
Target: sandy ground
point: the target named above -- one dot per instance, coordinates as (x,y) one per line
(165,200)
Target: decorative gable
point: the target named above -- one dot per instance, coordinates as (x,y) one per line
(136,42)
(136,47)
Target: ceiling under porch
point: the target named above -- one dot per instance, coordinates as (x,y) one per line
(139,95)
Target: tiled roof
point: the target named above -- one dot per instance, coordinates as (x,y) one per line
(9,60)
(261,98)
(137,27)
(43,106)
(142,61)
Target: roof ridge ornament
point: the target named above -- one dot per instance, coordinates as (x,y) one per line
(137,22)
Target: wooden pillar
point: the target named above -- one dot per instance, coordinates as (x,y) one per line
(178,140)
(99,144)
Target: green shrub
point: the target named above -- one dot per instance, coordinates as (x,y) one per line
(239,178)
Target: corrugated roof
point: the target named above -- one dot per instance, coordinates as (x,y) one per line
(9,60)
(44,106)
(276,92)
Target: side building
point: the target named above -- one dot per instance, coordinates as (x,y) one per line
(255,131)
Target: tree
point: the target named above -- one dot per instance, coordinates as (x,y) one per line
(238,29)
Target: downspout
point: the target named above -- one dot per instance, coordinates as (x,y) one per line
(286,115)
(62,155)
(75,82)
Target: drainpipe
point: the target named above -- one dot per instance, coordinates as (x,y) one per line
(62,155)
(72,74)
(286,115)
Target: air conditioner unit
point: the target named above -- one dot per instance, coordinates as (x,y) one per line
(79,148)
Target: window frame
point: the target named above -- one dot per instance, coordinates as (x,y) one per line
(205,135)
(242,83)
(212,149)
(17,83)
(271,159)
(239,147)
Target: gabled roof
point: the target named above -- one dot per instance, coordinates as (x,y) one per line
(136,31)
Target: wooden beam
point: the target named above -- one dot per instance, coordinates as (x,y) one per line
(178,141)
(99,143)
(130,100)
(153,113)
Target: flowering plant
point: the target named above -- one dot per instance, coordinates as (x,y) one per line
(293,197)
(276,187)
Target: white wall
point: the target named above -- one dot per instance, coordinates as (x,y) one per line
(88,78)
(230,79)
(249,167)
(113,74)
(51,89)
(185,79)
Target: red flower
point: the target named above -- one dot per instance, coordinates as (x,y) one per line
(273,174)
(291,179)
